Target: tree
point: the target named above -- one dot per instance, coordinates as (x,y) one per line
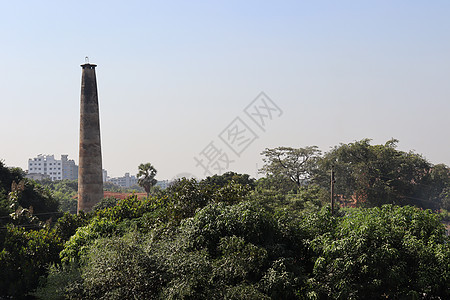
(18,192)
(146,177)
(276,184)
(219,181)
(7,177)
(242,251)
(24,257)
(386,252)
(297,165)
(65,191)
(435,189)
(373,175)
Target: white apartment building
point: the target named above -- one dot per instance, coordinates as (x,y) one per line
(125,181)
(55,169)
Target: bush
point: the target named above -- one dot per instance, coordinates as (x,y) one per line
(382,252)
(24,258)
(119,268)
(78,244)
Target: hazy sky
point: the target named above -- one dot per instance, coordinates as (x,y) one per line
(173,76)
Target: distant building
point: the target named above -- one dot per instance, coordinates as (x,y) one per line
(69,168)
(37,176)
(128,181)
(55,169)
(125,181)
(163,184)
(105,175)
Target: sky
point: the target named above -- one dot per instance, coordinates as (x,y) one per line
(203,87)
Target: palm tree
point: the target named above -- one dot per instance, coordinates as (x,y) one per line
(146,177)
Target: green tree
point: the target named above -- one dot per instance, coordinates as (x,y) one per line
(218,181)
(67,225)
(276,183)
(146,177)
(30,195)
(184,197)
(433,191)
(445,198)
(65,191)
(294,164)
(120,268)
(388,252)
(24,258)
(220,250)
(7,177)
(373,175)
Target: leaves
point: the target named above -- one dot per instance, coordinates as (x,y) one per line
(373,175)
(146,177)
(382,252)
(296,165)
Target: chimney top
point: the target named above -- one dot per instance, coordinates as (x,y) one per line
(88,66)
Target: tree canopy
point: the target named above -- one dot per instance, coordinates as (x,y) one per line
(372,175)
(146,177)
(294,164)
(232,237)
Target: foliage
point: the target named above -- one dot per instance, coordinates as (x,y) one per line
(387,252)
(129,214)
(7,177)
(128,208)
(220,181)
(185,196)
(30,195)
(296,165)
(445,198)
(109,186)
(221,252)
(65,191)
(278,184)
(63,282)
(67,225)
(118,268)
(23,201)
(107,202)
(27,244)
(307,199)
(245,250)
(78,244)
(24,258)
(231,237)
(373,175)
(232,193)
(435,189)
(224,249)
(146,177)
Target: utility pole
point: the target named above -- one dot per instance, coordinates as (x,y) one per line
(332,189)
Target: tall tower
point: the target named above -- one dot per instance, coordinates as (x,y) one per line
(90,177)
